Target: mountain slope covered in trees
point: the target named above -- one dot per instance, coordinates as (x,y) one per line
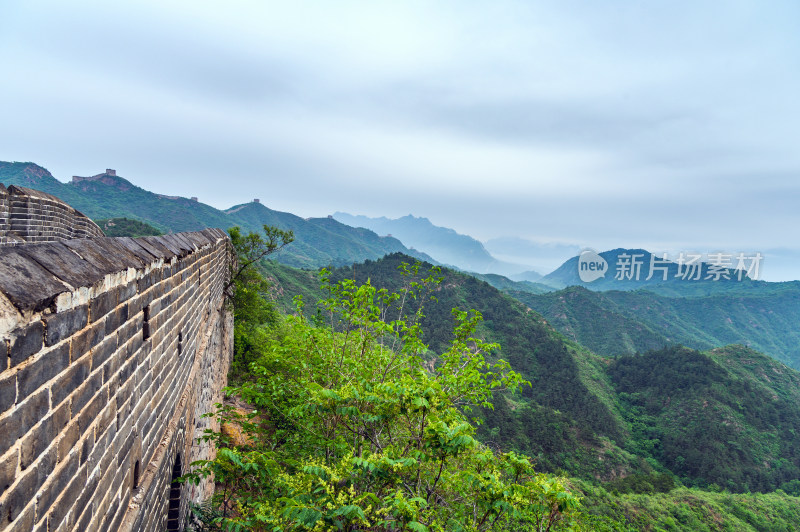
(614,323)
(726,417)
(605,419)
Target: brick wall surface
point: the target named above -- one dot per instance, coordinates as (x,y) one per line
(114,347)
(31,216)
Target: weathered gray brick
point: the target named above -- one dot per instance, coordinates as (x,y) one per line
(101,353)
(65,324)
(8,391)
(36,441)
(24,522)
(126,292)
(89,414)
(41,370)
(102,304)
(127,370)
(109,516)
(136,304)
(83,522)
(116,318)
(21,419)
(56,485)
(22,493)
(129,328)
(87,447)
(69,381)
(8,470)
(100,411)
(60,508)
(117,519)
(25,341)
(107,416)
(87,339)
(69,438)
(42,435)
(86,392)
(83,499)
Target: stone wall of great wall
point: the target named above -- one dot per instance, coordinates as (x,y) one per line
(114,348)
(29,216)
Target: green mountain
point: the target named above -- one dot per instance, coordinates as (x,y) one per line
(726,417)
(528,275)
(319,241)
(447,246)
(594,320)
(688,509)
(762,315)
(633,417)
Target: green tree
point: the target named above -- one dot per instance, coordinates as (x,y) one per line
(358,426)
(246,290)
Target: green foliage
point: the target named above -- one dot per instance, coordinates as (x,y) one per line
(570,388)
(643,483)
(127,227)
(574,420)
(644,496)
(690,510)
(723,418)
(358,425)
(246,290)
(571,393)
(616,323)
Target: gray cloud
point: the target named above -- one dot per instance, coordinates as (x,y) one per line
(666,125)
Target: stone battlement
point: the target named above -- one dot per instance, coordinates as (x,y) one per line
(114,348)
(31,216)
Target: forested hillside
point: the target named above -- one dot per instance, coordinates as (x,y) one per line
(645,437)
(725,418)
(614,323)
(596,417)
(650,440)
(127,227)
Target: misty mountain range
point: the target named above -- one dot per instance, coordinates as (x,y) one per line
(613,317)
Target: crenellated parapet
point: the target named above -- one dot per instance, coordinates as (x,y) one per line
(31,216)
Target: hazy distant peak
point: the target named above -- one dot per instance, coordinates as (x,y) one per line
(444,244)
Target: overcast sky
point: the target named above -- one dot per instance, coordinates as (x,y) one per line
(666,125)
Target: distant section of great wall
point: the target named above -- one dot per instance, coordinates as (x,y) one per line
(115,347)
